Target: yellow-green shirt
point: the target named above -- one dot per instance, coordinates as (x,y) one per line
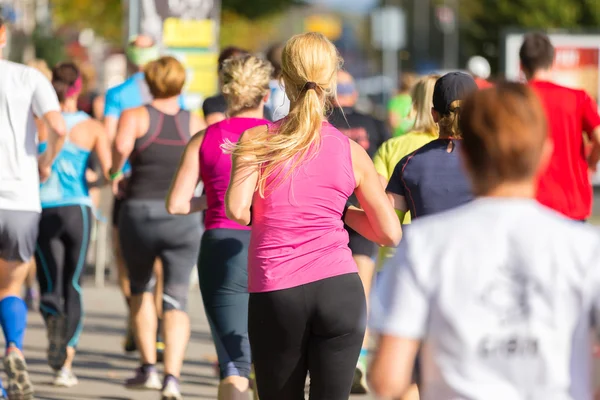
(389,154)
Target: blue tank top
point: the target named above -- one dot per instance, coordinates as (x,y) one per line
(67,185)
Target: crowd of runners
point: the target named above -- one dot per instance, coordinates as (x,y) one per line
(289,201)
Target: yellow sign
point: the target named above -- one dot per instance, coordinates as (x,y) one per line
(328,25)
(201,71)
(189,33)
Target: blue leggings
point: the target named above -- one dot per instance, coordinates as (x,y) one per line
(60,255)
(223,276)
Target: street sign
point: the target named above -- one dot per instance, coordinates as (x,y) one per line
(388,28)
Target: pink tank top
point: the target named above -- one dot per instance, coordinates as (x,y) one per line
(215,168)
(298,236)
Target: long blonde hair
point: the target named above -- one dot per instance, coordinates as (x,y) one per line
(245,82)
(309,64)
(422,95)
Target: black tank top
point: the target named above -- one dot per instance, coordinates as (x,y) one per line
(156,155)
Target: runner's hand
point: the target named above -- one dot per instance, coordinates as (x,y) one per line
(44,167)
(118,187)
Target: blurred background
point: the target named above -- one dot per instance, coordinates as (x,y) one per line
(379,39)
(382,41)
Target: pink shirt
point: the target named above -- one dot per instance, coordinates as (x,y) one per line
(298,236)
(215,168)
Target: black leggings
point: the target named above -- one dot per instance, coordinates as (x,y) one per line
(316,328)
(60,255)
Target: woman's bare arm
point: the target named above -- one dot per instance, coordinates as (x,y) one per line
(101,146)
(242,184)
(391,370)
(377,220)
(127,132)
(181,199)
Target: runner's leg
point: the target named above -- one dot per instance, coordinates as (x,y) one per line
(364,253)
(18,232)
(138,238)
(181,238)
(78,230)
(278,328)
(50,253)
(223,277)
(31,294)
(122,275)
(337,331)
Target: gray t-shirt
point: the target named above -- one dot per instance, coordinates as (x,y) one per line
(24,92)
(502,293)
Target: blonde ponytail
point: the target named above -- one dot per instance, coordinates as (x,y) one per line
(310,64)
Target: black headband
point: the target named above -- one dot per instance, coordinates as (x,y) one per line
(309,85)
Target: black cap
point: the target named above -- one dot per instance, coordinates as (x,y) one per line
(451,87)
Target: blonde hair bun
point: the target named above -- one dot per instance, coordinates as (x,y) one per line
(245,82)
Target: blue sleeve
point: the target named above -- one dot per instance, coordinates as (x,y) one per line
(182,102)
(112,105)
(396,183)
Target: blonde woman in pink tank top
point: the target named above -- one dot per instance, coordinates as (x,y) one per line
(291,182)
(223,261)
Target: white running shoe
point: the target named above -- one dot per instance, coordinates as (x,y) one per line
(171,390)
(144,380)
(65,378)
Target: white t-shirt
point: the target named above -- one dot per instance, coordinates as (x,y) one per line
(502,293)
(24,92)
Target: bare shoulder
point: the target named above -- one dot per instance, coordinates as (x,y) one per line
(253,132)
(197,139)
(359,154)
(92,125)
(134,112)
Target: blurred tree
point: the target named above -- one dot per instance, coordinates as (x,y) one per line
(49,48)
(253,35)
(255,9)
(105,17)
(483,21)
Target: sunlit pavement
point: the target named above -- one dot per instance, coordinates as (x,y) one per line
(101,366)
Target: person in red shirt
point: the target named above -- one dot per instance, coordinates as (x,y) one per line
(565,185)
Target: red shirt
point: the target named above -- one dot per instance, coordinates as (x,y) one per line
(483,83)
(565,186)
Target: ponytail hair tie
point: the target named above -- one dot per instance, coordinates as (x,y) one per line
(309,85)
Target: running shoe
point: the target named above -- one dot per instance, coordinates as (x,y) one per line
(129,345)
(65,378)
(359,384)
(19,384)
(57,346)
(144,379)
(170,389)
(160,350)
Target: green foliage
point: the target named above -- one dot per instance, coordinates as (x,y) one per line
(255,9)
(105,17)
(49,48)
(483,21)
